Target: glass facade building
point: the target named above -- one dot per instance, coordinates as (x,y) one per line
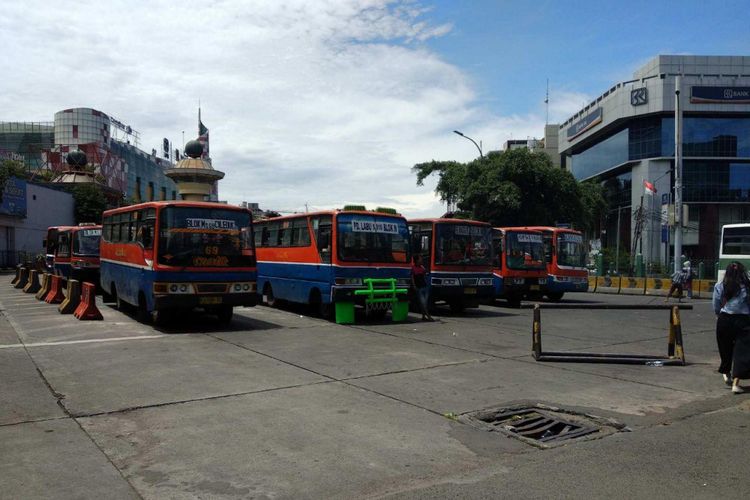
(625,138)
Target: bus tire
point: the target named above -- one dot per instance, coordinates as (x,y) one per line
(161,317)
(555,296)
(317,306)
(457,306)
(271,301)
(120,304)
(514,301)
(144,316)
(224,314)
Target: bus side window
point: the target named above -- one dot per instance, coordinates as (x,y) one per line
(424,245)
(146,234)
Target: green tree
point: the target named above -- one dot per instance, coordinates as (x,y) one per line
(515,188)
(89,203)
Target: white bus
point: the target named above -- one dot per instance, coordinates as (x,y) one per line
(735,245)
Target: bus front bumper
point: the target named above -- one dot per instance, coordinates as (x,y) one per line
(189,301)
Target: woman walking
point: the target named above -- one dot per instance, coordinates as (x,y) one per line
(730,301)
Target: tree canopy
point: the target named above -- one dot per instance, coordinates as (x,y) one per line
(89,203)
(516,188)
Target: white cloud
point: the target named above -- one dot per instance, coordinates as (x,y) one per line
(324,103)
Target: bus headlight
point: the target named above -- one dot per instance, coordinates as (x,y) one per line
(450,282)
(172,288)
(246,287)
(518,281)
(183,288)
(485,281)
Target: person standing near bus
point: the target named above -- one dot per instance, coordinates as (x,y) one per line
(730,302)
(419,282)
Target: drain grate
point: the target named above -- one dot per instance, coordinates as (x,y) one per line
(542,426)
(532,424)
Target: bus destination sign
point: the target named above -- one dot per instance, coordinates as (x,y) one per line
(366,226)
(210,224)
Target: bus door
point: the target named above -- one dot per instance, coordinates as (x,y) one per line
(322,227)
(62,254)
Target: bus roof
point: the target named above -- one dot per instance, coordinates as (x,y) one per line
(742,224)
(450,221)
(550,228)
(175,203)
(336,211)
(518,229)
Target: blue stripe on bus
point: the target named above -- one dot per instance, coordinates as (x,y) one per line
(295,282)
(132,280)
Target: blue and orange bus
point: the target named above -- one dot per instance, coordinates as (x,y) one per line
(458,257)
(566,261)
(164,257)
(73,251)
(321,258)
(519,268)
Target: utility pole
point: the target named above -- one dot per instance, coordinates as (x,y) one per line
(617,253)
(677,176)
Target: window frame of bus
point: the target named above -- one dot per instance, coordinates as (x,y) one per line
(318,222)
(421,242)
(296,228)
(63,244)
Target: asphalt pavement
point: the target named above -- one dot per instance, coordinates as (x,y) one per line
(280,404)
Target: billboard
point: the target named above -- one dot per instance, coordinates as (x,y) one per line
(14,198)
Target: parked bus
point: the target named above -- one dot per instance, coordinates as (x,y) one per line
(321,258)
(566,261)
(169,256)
(73,251)
(50,245)
(458,257)
(735,245)
(519,268)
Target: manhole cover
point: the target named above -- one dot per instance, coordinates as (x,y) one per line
(542,426)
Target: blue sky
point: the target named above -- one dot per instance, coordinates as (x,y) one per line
(329,102)
(511,48)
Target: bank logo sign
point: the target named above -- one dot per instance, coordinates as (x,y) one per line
(727,95)
(582,125)
(639,97)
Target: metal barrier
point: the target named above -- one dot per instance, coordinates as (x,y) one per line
(675,350)
(385,296)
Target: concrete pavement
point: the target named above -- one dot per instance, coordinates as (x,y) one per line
(281,405)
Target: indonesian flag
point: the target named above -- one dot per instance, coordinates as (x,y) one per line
(649,187)
(202,136)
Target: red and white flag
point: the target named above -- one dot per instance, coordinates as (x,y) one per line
(648,187)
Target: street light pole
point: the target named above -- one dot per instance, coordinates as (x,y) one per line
(479,146)
(677,177)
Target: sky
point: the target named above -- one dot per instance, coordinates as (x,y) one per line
(318,104)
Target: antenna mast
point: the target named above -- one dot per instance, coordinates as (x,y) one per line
(546,104)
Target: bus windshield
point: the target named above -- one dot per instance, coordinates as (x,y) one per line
(463,244)
(86,242)
(372,238)
(204,237)
(736,241)
(570,250)
(524,250)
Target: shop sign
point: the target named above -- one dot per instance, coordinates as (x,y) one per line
(725,95)
(639,97)
(14,198)
(584,124)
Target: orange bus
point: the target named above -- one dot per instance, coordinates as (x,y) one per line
(169,256)
(321,258)
(458,257)
(519,268)
(566,261)
(73,251)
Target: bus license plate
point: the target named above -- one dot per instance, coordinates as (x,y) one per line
(534,287)
(470,291)
(209,301)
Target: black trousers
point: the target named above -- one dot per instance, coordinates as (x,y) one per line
(732,329)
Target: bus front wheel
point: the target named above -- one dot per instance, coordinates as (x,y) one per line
(224,314)
(555,296)
(268,296)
